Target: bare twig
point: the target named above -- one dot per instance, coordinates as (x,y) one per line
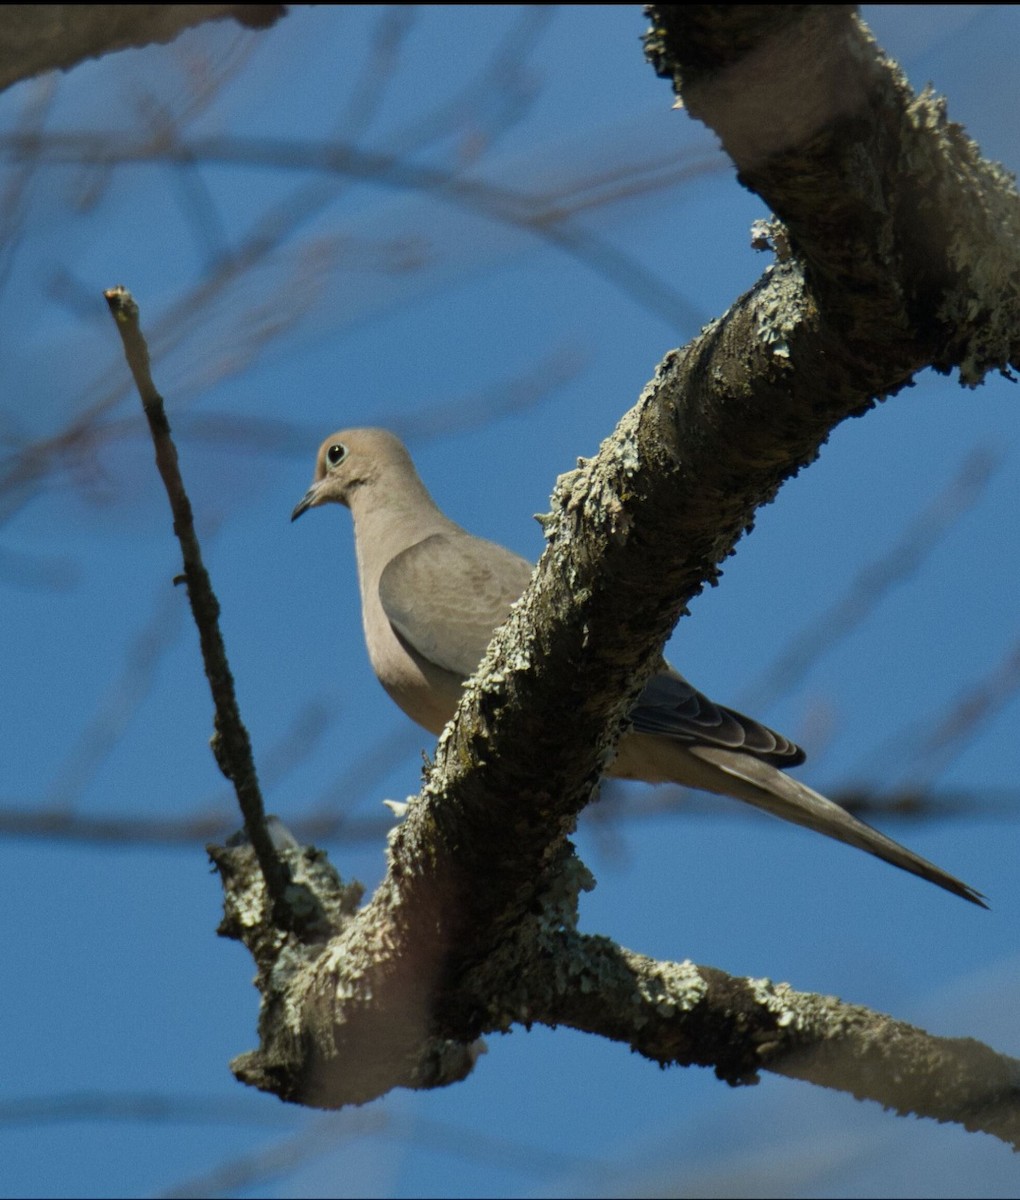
(895,565)
(328,823)
(922,751)
(329,1134)
(230,742)
(106,726)
(510,207)
(158,1108)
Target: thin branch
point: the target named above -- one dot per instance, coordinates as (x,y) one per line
(500,83)
(970,714)
(230,742)
(324,1136)
(330,824)
(517,209)
(119,706)
(390,31)
(160,1108)
(894,566)
(329,1134)
(923,751)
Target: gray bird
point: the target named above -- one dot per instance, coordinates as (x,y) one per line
(432,595)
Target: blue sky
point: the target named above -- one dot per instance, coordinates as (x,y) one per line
(501,355)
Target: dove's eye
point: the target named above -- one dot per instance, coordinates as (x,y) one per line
(335,455)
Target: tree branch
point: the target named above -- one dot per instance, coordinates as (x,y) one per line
(909,240)
(475,918)
(545,972)
(699,1016)
(45,37)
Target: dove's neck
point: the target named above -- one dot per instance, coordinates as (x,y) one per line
(390,516)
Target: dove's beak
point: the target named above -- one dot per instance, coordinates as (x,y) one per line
(309,500)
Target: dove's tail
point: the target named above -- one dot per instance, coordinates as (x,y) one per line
(758,783)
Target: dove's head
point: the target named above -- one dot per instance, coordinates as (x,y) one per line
(354,459)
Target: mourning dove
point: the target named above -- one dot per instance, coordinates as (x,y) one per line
(432,595)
